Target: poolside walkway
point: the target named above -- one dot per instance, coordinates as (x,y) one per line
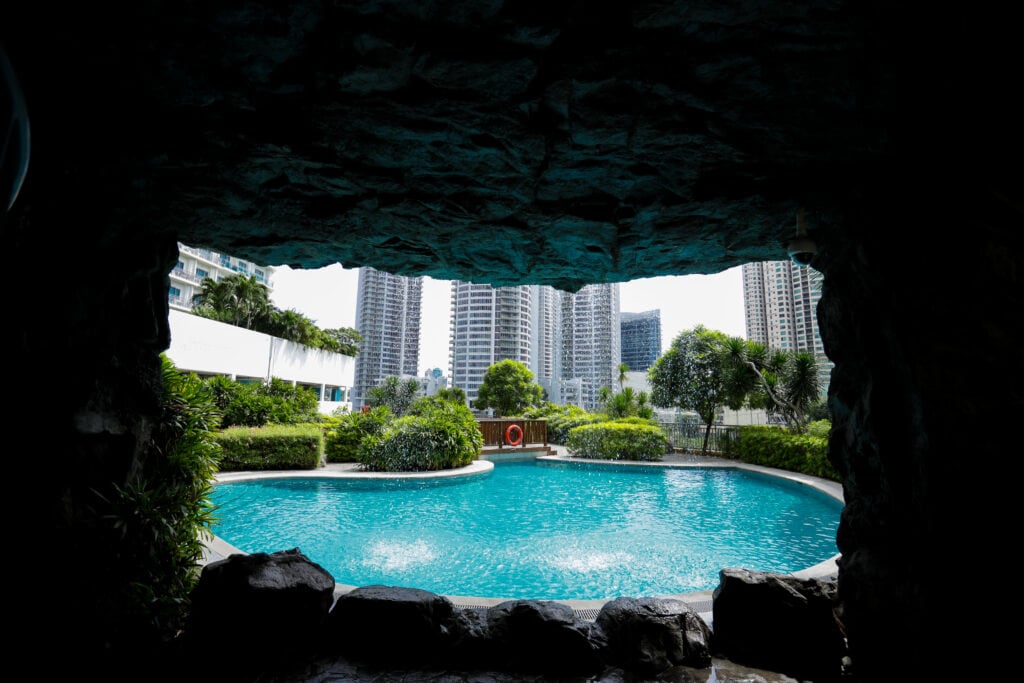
(700,601)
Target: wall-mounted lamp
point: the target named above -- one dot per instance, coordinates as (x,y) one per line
(802,248)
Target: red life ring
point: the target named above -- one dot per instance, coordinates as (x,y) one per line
(508,435)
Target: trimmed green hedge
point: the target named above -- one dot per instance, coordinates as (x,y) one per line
(619,440)
(276,447)
(779,448)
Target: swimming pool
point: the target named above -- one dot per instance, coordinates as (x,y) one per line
(537,529)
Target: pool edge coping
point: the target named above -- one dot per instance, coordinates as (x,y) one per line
(701,601)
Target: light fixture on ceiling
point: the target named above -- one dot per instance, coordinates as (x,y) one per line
(802,248)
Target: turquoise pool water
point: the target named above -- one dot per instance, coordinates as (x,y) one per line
(538,530)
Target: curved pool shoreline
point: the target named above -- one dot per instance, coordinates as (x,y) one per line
(217,548)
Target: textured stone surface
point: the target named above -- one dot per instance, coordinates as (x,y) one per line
(779,622)
(652,635)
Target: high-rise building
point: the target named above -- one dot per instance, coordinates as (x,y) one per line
(780,301)
(388,319)
(195,265)
(591,338)
(641,338)
(488,325)
(545,345)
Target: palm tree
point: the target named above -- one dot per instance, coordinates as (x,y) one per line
(782,382)
(236,299)
(623,372)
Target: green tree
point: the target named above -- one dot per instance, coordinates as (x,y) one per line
(397,394)
(235,299)
(508,387)
(784,383)
(694,375)
(293,326)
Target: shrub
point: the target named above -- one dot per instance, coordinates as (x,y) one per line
(632,439)
(257,404)
(779,448)
(437,434)
(157,520)
(341,442)
(277,447)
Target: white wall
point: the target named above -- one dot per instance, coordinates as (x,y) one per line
(208,347)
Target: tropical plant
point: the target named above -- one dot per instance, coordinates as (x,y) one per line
(508,387)
(235,299)
(436,434)
(159,519)
(623,375)
(784,383)
(344,340)
(258,404)
(452,394)
(693,375)
(395,393)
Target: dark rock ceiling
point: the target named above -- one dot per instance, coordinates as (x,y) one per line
(507,142)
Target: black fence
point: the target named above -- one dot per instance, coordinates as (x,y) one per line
(689,437)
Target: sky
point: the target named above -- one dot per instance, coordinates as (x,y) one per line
(328,297)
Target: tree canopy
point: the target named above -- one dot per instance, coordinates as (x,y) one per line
(508,387)
(705,370)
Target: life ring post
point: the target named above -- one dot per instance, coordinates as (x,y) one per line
(513,435)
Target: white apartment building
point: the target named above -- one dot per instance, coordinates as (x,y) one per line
(194,265)
(388,311)
(591,343)
(780,300)
(208,348)
(488,325)
(545,341)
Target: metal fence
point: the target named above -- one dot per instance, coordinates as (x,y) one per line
(689,437)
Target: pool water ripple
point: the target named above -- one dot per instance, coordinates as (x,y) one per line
(538,530)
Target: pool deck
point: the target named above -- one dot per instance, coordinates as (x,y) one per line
(701,601)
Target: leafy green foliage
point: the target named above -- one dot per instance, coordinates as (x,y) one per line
(819,428)
(633,439)
(159,518)
(783,449)
(277,447)
(396,394)
(561,419)
(436,434)
(692,375)
(508,387)
(258,404)
(452,394)
(235,299)
(341,442)
(628,403)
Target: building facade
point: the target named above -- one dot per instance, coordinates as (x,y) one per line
(780,301)
(208,348)
(195,265)
(488,324)
(388,319)
(545,346)
(641,338)
(590,344)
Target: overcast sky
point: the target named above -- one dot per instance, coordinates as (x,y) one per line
(328,297)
